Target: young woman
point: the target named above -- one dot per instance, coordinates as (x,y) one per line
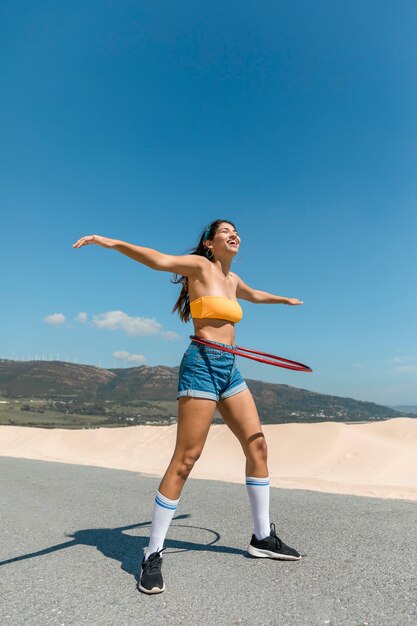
(208,377)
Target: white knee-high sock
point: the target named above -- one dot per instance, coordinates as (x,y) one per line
(258,492)
(163,512)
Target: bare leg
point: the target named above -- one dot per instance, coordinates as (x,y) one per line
(195,416)
(241,416)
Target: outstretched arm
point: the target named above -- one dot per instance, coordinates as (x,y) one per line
(244,292)
(187,264)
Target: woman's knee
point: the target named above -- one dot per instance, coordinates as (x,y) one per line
(257,450)
(185,461)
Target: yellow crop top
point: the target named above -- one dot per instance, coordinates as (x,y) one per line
(216,307)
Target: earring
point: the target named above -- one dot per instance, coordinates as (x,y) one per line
(207,253)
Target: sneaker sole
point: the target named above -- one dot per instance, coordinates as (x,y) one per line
(267,554)
(153,590)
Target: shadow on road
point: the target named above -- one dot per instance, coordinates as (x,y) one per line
(115,544)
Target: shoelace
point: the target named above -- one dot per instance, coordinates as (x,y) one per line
(278,541)
(154,561)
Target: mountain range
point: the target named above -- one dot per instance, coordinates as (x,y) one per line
(57,393)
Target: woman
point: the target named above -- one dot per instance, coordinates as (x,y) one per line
(208,377)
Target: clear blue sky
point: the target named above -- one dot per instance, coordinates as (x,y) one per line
(144,121)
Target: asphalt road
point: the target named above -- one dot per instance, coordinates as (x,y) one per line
(72,538)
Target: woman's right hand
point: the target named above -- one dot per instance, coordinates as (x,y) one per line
(97,239)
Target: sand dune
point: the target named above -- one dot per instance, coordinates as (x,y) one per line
(373,459)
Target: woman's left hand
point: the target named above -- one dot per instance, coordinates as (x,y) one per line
(293,301)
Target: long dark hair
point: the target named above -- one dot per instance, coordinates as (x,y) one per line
(182,305)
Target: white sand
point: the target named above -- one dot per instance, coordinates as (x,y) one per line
(374,459)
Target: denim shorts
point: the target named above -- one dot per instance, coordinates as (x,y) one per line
(209,373)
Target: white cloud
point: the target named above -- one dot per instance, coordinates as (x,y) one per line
(170,335)
(405,364)
(407,368)
(132,358)
(404,359)
(121,354)
(82,317)
(55,319)
(117,320)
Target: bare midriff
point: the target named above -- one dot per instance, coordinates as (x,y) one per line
(221,331)
(211,283)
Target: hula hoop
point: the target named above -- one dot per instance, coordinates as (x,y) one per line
(279,361)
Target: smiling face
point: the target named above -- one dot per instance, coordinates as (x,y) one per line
(226,241)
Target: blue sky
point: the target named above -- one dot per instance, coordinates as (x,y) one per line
(145,121)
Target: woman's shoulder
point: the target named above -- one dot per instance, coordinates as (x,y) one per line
(234,277)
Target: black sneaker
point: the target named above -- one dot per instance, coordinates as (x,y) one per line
(151,577)
(272,547)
